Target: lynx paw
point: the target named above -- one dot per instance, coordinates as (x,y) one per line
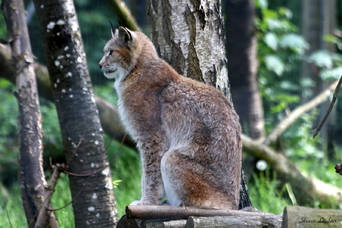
(143,202)
(137,202)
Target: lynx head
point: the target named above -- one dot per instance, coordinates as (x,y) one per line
(124,51)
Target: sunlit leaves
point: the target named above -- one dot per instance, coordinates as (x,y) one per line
(322,58)
(274,63)
(329,63)
(271,40)
(294,41)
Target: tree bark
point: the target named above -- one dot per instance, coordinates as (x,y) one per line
(31,174)
(311,217)
(90,179)
(243,65)
(237,221)
(189,35)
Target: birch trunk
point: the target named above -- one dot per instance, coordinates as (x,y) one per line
(189,35)
(31,174)
(90,178)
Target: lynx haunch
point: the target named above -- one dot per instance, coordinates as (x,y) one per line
(188,133)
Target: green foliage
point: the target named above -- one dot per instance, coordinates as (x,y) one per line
(11,209)
(125,164)
(8,133)
(279,48)
(61,198)
(3,31)
(94,17)
(329,62)
(266,194)
(299,135)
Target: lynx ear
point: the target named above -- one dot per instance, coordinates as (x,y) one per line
(125,36)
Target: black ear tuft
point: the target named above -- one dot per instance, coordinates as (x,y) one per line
(119,22)
(112,28)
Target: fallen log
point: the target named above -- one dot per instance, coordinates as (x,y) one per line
(305,217)
(174,212)
(171,216)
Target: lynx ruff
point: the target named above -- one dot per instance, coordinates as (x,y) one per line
(188,133)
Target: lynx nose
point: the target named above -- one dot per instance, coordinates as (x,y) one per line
(100,65)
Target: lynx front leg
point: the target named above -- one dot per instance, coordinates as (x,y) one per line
(151,183)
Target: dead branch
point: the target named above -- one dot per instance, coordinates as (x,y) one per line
(47,197)
(306,188)
(296,113)
(316,131)
(173,212)
(124,14)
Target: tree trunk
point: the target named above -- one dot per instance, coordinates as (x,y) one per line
(90,178)
(319,19)
(242,66)
(189,35)
(31,174)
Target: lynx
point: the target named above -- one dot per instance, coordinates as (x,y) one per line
(188,133)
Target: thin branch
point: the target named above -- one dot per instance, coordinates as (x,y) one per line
(332,103)
(44,209)
(298,112)
(8,217)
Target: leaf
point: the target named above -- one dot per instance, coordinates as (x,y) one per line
(275,24)
(330,38)
(334,73)
(321,58)
(271,40)
(286,12)
(293,41)
(4,84)
(116,183)
(275,64)
(263,4)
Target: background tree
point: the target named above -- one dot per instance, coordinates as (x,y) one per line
(86,158)
(31,175)
(243,65)
(319,20)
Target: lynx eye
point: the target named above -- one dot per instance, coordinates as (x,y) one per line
(110,52)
